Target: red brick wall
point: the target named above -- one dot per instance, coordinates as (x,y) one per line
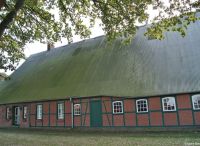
(49,118)
(185,117)
(197,117)
(32,114)
(130,119)
(106,105)
(1,116)
(183,101)
(24,122)
(68,116)
(9,122)
(53,112)
(142,120)
(107,108)
(85,109)
(3,121)
(45,117)
(129,109)
(170,119)
(118,119)
(77,118)
(46,120)
(107,119)
(154,103)
(129,105)
(154,117)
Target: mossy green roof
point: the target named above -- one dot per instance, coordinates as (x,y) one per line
(93,67)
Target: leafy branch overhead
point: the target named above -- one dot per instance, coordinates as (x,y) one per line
(24,21)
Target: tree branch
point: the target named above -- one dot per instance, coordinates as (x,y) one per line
(10,16)
(2,3)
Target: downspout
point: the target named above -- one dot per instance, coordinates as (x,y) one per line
(72,112)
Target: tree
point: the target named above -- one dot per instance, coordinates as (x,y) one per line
(24,21)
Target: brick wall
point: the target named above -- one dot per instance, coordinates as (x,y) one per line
(183,116)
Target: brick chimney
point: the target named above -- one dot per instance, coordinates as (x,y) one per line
(50,46)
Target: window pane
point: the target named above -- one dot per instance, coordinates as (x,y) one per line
(142,105)
(169,104)
(39,112)
(7,113)
(117,107)
(77,109)
(60,110)
(25,112)
(196,101)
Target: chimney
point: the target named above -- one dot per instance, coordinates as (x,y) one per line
(50,46)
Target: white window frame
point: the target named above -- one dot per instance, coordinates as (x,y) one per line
(77,112)
(193,101)
(146,106)
(60,110)
(25,111)
(166,110)
(7,113)
(113,107)
(39,111)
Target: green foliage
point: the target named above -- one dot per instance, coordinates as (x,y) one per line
(176,23)
(35,21)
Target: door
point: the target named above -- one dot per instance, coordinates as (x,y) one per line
(95,113)
(16,116)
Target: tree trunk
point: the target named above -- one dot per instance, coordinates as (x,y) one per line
(2,2)
(10,16)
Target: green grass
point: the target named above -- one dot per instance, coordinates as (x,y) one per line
(17,137)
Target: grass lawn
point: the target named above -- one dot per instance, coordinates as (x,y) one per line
(18,137)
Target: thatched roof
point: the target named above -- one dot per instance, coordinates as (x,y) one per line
(3,76)
(93,67)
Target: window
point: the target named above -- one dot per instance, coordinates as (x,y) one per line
(39,111)
(7,113)
(142,105)
(117,107)
(196,101)
(169,104)
(77,109)
(25,112)
(60,113)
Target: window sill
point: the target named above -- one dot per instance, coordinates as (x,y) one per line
(24,120)
(142,112)
(39,120)
(169,111)
(117,113)
(60,119)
